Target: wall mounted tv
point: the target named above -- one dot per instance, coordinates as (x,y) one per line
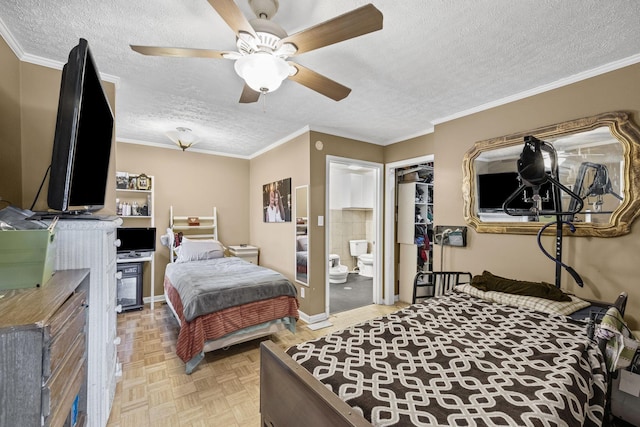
(495,188)
(82,140)
(136,240)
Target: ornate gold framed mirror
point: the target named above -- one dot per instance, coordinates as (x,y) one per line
(598,158)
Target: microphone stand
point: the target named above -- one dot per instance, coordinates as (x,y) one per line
(537,146)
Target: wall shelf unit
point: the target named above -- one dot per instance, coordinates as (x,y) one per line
(134,201)
(134,204)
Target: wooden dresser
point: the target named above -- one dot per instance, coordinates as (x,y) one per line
(43,352)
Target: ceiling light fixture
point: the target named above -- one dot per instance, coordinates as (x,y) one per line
(183,137)
(262,71)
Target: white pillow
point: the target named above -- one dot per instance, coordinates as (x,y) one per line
(302,243)
(197,250)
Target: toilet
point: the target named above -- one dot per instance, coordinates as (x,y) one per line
(358,248)
(365,264)
(337,272)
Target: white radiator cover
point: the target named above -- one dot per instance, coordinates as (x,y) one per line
(91,244)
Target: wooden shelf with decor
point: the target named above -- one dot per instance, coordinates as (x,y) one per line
(134,204)
(195,226)
(134,197)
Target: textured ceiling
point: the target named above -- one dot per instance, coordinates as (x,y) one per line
(433,60)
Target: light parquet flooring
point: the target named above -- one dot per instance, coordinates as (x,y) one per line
(224,390)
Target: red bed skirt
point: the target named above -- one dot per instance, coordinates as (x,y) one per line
(194,334)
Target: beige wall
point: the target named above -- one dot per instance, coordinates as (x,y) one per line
(277,240)
(607,265)
(409,149)
(194,184)
(10,146)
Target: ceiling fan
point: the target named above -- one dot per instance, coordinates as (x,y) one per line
(263,47)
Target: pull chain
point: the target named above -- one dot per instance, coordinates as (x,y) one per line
(264,101)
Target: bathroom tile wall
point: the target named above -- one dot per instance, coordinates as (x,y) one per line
(349,224)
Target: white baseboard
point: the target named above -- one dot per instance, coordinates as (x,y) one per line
(157,299)
(314,318)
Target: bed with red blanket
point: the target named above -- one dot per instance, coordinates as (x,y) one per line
(220,301)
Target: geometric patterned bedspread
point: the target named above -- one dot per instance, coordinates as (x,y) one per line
(456,360)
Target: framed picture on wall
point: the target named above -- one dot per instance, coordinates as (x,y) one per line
(276,201)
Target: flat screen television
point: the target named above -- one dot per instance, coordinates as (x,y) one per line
(495,188)
(136,240)
(82,140)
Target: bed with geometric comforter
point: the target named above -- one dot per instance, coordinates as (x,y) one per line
(458,360)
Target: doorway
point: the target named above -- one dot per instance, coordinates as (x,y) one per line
(353,230)
(391,275)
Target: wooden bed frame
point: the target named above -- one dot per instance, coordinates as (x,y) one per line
(291,395)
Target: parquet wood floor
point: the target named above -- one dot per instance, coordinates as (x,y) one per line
(224,389)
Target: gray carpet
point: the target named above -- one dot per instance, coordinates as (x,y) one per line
(356,292)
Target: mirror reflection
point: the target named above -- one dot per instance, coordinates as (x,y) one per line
(302,234)
(594,159)
(589,163)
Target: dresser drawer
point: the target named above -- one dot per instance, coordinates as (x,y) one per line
(63,341)
(60,385)
(60,413)
(68,309)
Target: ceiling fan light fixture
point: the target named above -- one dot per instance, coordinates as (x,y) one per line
(262,71)
(183,137)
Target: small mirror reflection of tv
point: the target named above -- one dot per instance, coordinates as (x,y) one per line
(495,188)
(136,241)
(82,140)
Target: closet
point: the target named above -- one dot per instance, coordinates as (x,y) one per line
(414,232)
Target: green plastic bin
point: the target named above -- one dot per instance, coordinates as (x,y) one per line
(27,258)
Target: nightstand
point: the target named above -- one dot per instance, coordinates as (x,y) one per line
(246,252)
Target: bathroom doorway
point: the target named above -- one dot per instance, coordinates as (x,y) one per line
(353,230)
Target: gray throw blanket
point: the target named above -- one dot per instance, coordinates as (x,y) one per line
(212,285)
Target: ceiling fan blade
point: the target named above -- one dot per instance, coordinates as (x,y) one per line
(232,15)
(179,52)
(319,83)
(363,20)
(249,95)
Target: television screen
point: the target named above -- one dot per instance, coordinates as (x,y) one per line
(82,140)
(495,188)
(136,239)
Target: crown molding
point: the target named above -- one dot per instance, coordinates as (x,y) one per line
(38,60)
(594,72)
(175,147)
